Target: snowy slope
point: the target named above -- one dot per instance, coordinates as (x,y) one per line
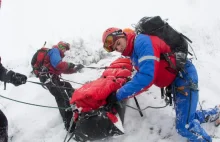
(26,24)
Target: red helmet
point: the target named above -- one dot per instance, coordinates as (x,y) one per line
(115,34)
(63,45)
(108,32)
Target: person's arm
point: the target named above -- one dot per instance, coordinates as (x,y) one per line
(64,67)
(11,77)
(143,79)
(56,60)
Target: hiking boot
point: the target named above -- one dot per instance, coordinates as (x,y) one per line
(213,118)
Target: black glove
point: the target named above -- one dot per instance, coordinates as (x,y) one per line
(110,102)
(111,99)
(71,65)
(79,67)
(15,78)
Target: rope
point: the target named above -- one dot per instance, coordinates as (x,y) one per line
(96,67)
(106,68)
(32,104)
(43,84)
(70,88)
(71,81)
(146,107)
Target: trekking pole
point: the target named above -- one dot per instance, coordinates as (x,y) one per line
(71,124)
(146,107)
(137,104)
(70,137)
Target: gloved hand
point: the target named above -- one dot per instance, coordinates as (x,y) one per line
(15,78)
(71,65)
(111,99)
(79,67)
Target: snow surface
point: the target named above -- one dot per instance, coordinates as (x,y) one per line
(26,24)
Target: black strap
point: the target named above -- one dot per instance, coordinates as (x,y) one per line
(138,106)
(169,94)
(162,93)
(185,37)
(167,91)
(166,57)
(4,85)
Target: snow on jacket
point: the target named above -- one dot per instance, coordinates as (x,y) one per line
(93,95)
(145,52)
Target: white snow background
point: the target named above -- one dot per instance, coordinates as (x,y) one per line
(26,24)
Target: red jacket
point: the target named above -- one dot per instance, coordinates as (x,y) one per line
(93,95)
(145,52)
(53,61)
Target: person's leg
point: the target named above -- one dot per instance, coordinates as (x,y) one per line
(209,115)
(68,114)
(185,106)
(69,89)
(3,127)
(62,100)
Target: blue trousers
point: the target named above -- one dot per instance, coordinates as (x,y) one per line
(188,119)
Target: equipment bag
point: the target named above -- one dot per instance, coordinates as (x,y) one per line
(99,124)
(155,26)
(38,60)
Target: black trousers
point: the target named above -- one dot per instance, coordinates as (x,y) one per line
(62,97)
(3,127)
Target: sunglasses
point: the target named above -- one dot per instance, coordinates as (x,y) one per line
(111,39)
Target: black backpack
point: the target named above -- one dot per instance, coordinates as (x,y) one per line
(177,41)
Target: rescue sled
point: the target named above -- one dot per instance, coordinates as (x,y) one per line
(96,120)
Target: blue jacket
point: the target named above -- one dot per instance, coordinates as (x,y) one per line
(143,57)
(55,57)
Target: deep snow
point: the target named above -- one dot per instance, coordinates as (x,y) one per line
(26,24)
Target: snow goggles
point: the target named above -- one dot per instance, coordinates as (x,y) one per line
(111,39)
(64,46)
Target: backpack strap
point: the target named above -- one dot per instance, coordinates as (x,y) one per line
(186,38)
(165,56)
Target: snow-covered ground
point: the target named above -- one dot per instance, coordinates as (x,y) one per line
(26,24)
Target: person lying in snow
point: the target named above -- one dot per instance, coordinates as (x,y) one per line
(145,52)
(96,119)
(13,78)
